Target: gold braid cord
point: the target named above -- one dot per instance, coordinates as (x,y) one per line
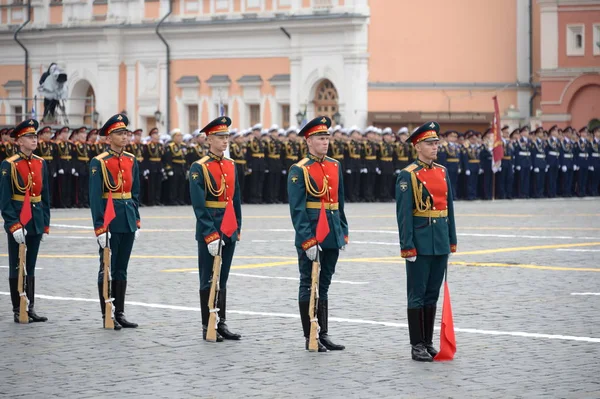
(314,191)
(208,183)
(107,183)
(14,175)
(420,205)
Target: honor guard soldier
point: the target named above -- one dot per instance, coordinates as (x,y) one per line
(507,166)
(64,179)
(153,158)
(386,165)
(47,150)
(291,155)
(452,159)
(354,164)
(370,165)
(136,147)
(595,162)
(81,160)
(552,161)
(174,164)
(538,160)
(213,184)
(523,164)
(471,163)
(274,152)
(21,174)
(317,181)
(425,214)
(116,171)
(567,164)
(196,150)
(93,145)
(237,151)
(582,153)
(255,156)
(487,159)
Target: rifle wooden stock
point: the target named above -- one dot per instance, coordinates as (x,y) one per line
(313,345)
(211,332)
(23,304)
(108,306)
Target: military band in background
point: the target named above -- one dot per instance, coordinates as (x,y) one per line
(536,164)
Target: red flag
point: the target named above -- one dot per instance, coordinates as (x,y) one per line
(229,225)
(498,150)
(447,338)
(109,213)
(322,224)
(25,216)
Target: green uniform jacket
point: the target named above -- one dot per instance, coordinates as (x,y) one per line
(208,220)
(127,215)
(305,219)
(423,235)
(11,208)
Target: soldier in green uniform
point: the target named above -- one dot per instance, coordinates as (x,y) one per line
(425,213)
(21,173)
(116,171)
(213,183)
(315,180)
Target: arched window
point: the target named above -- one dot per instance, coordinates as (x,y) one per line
(90,103)
(326,99)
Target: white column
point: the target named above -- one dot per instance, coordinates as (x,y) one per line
(353,100)
(523,55)
(107,98)
(295,87)
(131,92)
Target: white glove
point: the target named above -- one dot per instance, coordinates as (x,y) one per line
(72,171)
(44,236)
(311,253)
(170,173)
(61,171)
(348,171)
(54,175)
(480,171)
(564,168)
(575,168)
(450,254)
(518,168)
(411,259)
(136,235)
(102,240)
(249,171)
(76,174)
(266,170)
(591,168)
(146,172)
(531,168)
(459,171)
(19,235)
(284,172)
(343,248)
(378,171)
(397,172)
(547,168)
(213,247)
(468,172)
(536,170)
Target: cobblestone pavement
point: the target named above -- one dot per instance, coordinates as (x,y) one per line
(520,330)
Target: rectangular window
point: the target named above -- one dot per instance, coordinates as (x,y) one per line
(596,39)
(222,109)
(253,3)
(254,111)
(192,118)
(221,5)
(285,116)
(18,112)
(576,40)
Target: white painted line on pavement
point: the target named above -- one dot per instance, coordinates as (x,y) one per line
(71,226)
(291,278)
(579,250)
(6,267)
(338,319)
(586,293)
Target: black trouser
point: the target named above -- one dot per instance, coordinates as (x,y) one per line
(33,246)
(205,264)
(177,185)
(154,187)
(83,191)
(387,184)
(64,190)
(240,171)
(121,245)
(274,183)
(328,259)
(256,181)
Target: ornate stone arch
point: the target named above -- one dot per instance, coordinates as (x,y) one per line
(326,99)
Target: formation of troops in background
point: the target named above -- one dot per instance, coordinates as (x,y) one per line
(536,164)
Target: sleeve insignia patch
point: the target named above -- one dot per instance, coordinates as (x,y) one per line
(294,179)
(94,170)
(403,185)
(195,176)
(4,173)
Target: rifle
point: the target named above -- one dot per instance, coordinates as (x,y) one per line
(213,320)
(108,305)
(313,344)
(24,301)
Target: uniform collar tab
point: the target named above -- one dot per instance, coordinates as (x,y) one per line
(315,158)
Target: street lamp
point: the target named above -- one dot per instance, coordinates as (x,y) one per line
(95,117)
(299,117)
(337,117)
(158,116)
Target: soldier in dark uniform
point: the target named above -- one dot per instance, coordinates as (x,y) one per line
(255,155)
(291,152)
(594,167)
(47,151)
(354,164)
(7,148)
(471,164)
(175,166)
(80,161)
(486,157)
(274,150)
(452,159)
(214,184)
(21,173)
(567,164)
(507,167)
(136,147)
(153,162)
(538,160)
(523,164)
(237,151)
(553,148)
(386,165)
(116,171)
(427,236)
(65,171)
(370,165)
(317,181)
(582,154)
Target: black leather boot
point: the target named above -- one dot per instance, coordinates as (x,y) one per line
(103,307)
(323,315)
(415,331)
(429,321)
(119,287)
(15,298)
(222,327)
(305,319)
(205,312)
(30,288)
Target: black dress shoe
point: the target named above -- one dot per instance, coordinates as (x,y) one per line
(120,319)
(321,347)
(34,318)
(420,354)
(223,330)
(324,339)
(16,318)
(116,323)
(204,329)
